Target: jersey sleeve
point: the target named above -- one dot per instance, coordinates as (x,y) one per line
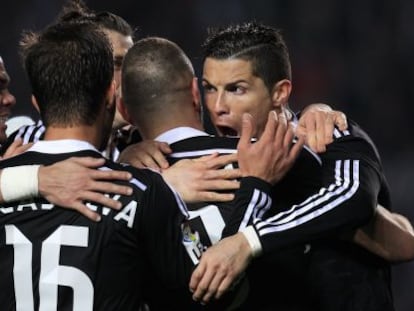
(162,217)
(351,178)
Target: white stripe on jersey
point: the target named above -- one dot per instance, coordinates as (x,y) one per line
(259,200)
(345,186)
(337,133)
(198,153)
(25,133)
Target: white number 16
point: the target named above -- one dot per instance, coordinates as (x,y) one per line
(51,273)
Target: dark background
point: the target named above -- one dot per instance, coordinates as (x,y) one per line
(355,55)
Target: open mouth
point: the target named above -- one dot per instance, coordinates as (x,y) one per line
(227,131)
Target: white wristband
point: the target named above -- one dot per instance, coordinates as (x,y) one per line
(19,182)
(253,240)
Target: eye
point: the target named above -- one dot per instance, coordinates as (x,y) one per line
(237,89)
(208,88)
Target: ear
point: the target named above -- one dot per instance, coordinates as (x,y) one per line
(195,91)
(280,94)
(120,106)
(34,103)
(110,99)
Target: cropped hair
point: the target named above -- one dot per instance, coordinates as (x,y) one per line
(70,69)
(254,42)
(155,70)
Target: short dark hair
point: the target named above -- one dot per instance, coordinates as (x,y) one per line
(77,9)
(70,68)
(257,43)
(155,70)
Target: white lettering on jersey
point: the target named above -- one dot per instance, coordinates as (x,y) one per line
(127,214)
(21,207)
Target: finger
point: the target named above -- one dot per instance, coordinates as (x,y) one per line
(310,126)
(203,285)
(329,129)
(321,120)
(196,277)
(270,127)
(213,287)
(209,196)
(164,147)
(15,151)
(160,160)
(109,187)
(280,131)
(246,132)
(207,158)
(85,211)
(90,162)
(221,174)
(101,198)
(225,284)
(108,174)
(11,150)
(288,139)
(340,120)
(296,149)
(222,160)
(149,162)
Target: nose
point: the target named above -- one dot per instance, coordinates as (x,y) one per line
(7,98)
(220,104)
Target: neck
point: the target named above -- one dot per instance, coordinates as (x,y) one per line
(85,132)
(188,118)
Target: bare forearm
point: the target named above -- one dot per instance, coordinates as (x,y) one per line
(388,235)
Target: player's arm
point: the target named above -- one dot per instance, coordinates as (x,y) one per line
(388,235)
(147,153)
(317,122)
(69,183)
(197,180)
(350,183)
(346,200)
(223,263)
(204,179)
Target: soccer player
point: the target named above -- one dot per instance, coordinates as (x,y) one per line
(7,100)
(156,62)
(247,69)
(53,257)
(121,35)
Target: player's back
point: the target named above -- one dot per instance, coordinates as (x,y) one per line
(53,258)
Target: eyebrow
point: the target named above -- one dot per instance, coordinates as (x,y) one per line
(230,83)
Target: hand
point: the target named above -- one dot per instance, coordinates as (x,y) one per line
(198,180)
(71,182)
(147,153)
(274,153)
(220,267)
(16,148)
(317,124)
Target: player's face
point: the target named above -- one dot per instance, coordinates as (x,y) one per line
(120,45)
(7,101)
(231,89)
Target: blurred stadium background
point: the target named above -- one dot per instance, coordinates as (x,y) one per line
(354,55)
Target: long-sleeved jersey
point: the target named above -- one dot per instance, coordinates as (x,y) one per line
(54,258)
(35,132)
(321,197)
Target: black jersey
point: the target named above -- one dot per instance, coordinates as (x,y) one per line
(321,197)
(34,132)
(54,258)
(348,183)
